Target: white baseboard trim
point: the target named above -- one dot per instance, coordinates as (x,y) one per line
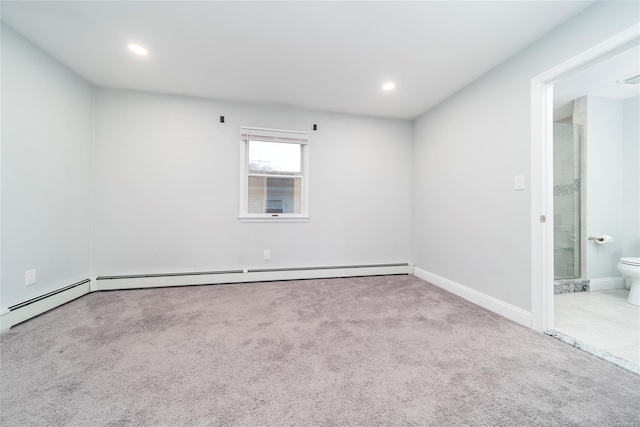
(18,313)
(93,286)
(113,283)
(502,308)
(605,283)
(11,316)
(104,283)
(5,324)
(326,273)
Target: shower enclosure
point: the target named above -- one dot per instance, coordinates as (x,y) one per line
(567,138)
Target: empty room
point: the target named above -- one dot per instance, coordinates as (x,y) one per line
(319,213)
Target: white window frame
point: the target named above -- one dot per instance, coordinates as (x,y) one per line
(279,136)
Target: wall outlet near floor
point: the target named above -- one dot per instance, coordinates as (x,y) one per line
(29,277)
(266,255)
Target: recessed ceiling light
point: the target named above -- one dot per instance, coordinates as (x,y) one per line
(388,86)
(139,50)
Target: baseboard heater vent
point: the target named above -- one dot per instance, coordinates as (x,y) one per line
(33,307)
(48,295)
(140,276)
(162,280)
(263,270)
(252,275)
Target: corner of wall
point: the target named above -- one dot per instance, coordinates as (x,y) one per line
(92,181)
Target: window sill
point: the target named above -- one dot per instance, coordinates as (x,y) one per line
(274,219)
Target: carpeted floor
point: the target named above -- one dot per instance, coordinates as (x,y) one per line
(377,351)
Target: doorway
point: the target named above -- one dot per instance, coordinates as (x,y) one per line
(596,158)
(573,262)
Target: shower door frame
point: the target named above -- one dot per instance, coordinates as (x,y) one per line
(542,276)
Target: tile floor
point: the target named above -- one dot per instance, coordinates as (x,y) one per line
(602,319)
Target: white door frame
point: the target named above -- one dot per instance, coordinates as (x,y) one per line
(542,170)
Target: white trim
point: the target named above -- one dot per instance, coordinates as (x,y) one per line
(275,135)
(10,318)
(264,276)
(5,320)
(168,280)
(605,283)
(274,219)
(244,177)
(592,56)
(244,216)
(274,175)
(159,281)
(542,263)
(542,171)
(93,285)
(495,305)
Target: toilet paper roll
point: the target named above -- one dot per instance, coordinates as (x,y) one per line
(602,239)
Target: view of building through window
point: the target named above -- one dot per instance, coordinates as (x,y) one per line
(275,174)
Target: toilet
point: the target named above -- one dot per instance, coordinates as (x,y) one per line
(630,267)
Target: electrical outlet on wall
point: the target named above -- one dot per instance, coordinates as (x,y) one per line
(29,277)
(266,255)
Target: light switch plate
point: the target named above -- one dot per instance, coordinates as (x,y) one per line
(518,182)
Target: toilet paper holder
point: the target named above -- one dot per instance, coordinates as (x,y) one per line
(601,239)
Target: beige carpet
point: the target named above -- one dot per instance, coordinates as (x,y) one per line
(380,351)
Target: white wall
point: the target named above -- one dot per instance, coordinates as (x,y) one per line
(469,225)
(166,177)
(631,178)
(46,171)
(604,185)
(167,188)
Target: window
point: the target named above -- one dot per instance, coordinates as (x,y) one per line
(274,181)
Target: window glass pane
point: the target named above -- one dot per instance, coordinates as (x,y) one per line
(274,157)
(274,195)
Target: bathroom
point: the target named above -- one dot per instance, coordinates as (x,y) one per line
(596,196)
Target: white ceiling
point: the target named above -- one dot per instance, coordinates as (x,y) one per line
(329,56)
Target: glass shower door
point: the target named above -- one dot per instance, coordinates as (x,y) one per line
(566,199)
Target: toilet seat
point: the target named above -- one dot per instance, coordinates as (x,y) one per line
(630,261)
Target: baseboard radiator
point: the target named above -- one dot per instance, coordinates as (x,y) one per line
(250,275)
(33,307)
(26,310)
